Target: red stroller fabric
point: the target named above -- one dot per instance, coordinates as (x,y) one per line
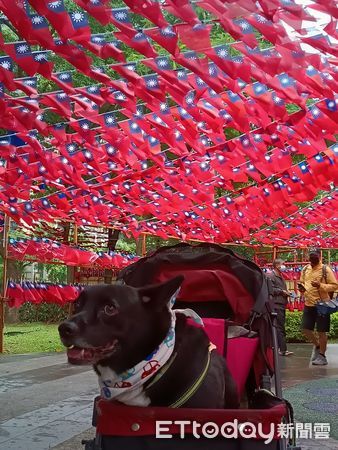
(238,365)
(216,329)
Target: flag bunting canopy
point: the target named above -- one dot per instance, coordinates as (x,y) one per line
(209,120)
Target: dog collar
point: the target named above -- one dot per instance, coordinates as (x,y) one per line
(193,388)
(196,385)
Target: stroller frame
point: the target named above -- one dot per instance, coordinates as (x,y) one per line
(261,317)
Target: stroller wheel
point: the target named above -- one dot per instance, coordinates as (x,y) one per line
(93,444)
(88,445)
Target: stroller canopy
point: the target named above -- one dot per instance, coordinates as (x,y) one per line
(212,273)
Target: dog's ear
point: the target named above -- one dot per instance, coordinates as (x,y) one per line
(158,295)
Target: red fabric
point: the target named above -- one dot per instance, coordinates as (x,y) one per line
(117,420)
(238,365)
(216,329)
(211,285)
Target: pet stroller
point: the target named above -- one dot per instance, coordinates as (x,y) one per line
(232,296)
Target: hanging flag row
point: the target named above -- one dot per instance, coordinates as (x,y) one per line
(19,293)
(45,251)
(321,214)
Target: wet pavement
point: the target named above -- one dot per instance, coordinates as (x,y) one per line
(44,401)
(297,368)
(313,392)
(47,403)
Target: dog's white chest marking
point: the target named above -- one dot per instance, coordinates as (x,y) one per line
(133,396)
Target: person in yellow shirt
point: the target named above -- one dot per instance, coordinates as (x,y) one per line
(316,282)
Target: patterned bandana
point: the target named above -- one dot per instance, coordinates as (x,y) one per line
(127,387)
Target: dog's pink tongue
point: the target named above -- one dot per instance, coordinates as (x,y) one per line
(78,355)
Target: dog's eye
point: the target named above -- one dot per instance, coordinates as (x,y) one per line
(110,310)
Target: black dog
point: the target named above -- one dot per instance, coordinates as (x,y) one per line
(143,352)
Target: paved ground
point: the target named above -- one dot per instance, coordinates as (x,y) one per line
(46,403)
(297,368)
(313,392)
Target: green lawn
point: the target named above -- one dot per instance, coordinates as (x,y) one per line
(40,337)
(31,338)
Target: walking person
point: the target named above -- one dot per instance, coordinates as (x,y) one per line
(280,297)
(317,281)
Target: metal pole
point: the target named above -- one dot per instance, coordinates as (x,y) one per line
(139,245)
(4,281)
(274,253)
(144,245)
(75,234)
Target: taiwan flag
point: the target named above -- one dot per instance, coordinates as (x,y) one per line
(96,9)
(139,42)
(183,10)
(166,37)
(196,37)
(122,20)
(149,9)
(64,80)
(56,13)
(22,54)
(80,23)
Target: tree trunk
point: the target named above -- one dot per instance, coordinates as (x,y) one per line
(14,273)
(140,245)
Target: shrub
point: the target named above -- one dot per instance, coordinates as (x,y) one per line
(294,331)
(51,313)
(44,312)
(293,327)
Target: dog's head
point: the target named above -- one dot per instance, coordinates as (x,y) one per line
(119,322)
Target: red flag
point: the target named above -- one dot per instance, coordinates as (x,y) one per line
(196,37)
(56,14)
(183,10)
(149,9)
(274,32)
(139,42)
(60,102)
(97,9)
(166,37)
(22,54)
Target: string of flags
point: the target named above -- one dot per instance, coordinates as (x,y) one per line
(18,294)
(36,293)
(45,251)
(196,120)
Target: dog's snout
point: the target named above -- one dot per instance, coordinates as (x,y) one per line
(68,329)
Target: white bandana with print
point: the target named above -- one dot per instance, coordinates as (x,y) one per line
(127,387)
